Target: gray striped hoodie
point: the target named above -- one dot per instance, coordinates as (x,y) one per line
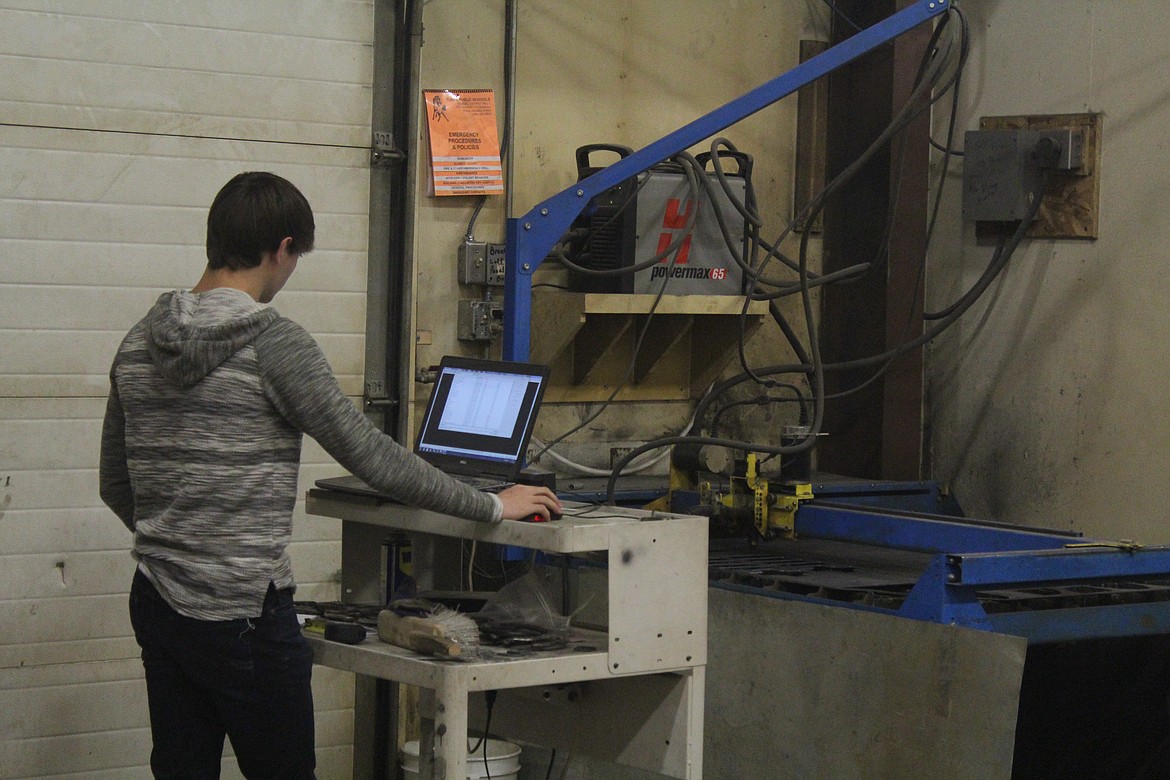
(209,396)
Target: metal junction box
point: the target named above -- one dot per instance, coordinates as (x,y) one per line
(1001,174)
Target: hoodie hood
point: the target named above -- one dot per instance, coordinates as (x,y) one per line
(189,334)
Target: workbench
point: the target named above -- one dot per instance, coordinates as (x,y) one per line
(634,686)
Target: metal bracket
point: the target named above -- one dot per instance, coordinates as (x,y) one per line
(375,396)
(383,152)
(936,598)
(783,515)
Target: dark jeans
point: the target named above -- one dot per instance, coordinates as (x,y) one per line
(247,679)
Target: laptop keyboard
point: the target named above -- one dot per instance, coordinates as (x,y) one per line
(485,484)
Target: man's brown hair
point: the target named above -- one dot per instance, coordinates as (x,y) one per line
(251,215)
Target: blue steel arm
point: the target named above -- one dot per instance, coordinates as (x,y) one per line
(947,592)
(866,525)
(991,569)
(530,238)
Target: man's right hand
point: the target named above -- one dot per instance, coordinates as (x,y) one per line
(523,501)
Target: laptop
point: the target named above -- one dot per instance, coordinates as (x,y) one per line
(477,423)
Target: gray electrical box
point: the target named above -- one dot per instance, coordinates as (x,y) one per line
(481,263)
(1002,171)
(480,320)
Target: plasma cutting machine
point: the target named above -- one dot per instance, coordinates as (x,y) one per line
(870,627)
(967,571)
(905,549)
(637,225)
(531,237)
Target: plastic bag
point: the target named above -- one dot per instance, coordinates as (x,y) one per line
(532,600)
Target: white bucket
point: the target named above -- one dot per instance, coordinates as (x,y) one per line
(503,761)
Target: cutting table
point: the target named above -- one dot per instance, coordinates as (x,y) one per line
(905,640)
(903,548)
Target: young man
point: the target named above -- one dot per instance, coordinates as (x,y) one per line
(209,397)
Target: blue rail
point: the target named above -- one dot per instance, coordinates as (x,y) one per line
(920,533)
(973,557)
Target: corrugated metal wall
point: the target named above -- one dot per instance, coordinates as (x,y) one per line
(118,123)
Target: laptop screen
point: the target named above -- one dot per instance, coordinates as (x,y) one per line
(481,415)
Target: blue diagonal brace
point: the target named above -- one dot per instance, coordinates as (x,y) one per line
(530,238)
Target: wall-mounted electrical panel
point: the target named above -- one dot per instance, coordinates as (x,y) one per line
(1070,208)
(1003,170)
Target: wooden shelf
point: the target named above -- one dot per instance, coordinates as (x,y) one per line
(588,339)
